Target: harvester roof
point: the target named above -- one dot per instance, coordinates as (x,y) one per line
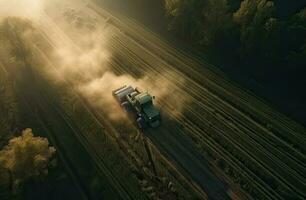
(151,111)
(143,98)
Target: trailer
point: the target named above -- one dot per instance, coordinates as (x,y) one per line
(140,105)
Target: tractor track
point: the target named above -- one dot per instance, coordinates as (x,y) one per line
(196,74)
(215,79)
(195,68)
(297,167)
(227,118)
(191,129)
(250,139)
(214,103)
(101,119)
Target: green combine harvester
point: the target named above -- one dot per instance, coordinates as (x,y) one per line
(140,104)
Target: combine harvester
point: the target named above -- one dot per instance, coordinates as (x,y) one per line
(139,104)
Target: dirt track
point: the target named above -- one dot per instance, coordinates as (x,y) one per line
(264,137)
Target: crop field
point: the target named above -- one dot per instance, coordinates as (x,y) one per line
(106,163)
(216,141)
(253,145)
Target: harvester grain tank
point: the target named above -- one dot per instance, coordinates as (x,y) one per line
(140,104)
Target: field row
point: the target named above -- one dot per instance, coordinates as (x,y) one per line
(283,169)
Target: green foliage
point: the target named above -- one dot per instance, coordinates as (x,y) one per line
(184,17)
(243,33)
(216,19)
(26,157)
(199,21)
(256,24)
(296,40)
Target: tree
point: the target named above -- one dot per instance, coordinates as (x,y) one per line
(215,20)
(25,157)
(198,21)
(256,20)
(296,31)
(259,37)
(185,17)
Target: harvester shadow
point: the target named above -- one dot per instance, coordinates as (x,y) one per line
(173,142)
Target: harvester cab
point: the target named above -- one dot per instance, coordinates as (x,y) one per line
(139,103)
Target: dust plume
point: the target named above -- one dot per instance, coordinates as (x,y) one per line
(21,8)
(86,62)
(80,56)
(99,92)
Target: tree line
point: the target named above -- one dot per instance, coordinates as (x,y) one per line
(264,38)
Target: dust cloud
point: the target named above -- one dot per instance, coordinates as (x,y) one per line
(82,59)
(89,69)
(21,8)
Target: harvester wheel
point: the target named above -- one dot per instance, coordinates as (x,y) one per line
(141,123)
